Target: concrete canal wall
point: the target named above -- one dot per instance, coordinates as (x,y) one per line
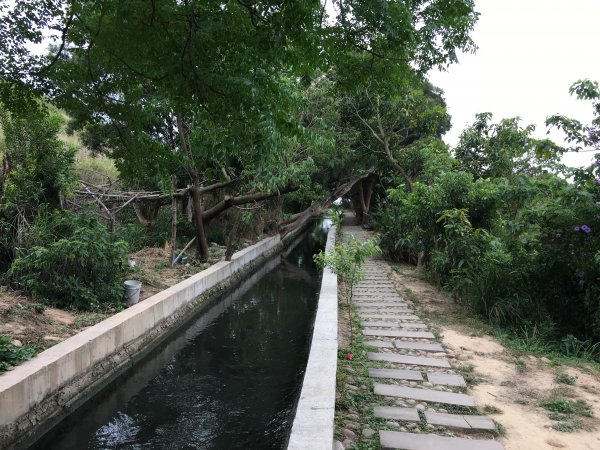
(312,428)
(36,395)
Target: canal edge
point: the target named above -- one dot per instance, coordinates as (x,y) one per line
(313,425)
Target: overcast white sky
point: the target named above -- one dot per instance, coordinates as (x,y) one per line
(530,52)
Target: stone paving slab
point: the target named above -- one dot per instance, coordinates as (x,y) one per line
(426,346)
(396,374)
(397,316)
(377,295)
(447,379)
(427,395)
(385,305)
(367,290)
(408,359)
(369,307)
(399,310)
(447,420)
(397,413)
(480,423)
(375,299)
(380,344)
(380,303)
(400,334)
(400,325)
(374,293)
(376,284)
(391,440)
(373,276)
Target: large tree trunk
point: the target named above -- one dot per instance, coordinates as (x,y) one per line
(201,241)
(234,235)
(421,261)
(365,200)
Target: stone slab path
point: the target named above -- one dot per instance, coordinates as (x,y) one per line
(410,441)
(411,371)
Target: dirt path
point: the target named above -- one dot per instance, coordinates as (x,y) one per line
(512,387)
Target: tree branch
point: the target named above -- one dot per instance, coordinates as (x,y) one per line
(229,201)
(63,39)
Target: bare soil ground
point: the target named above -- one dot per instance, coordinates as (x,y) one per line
(511,386)
(28,322)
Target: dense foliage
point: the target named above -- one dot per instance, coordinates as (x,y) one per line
(37,169)
(71,262)
(502,227)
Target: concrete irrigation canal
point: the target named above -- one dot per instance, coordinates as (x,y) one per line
(228,378)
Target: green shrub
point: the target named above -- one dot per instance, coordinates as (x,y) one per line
(571,346)
(73,264)
(564,378)
(521,251)
(11,355)
(559,405)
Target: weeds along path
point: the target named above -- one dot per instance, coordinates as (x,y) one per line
(417,377)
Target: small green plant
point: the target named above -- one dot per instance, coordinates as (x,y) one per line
(347,261)
(582,408)
(564,378)
(571,346)
(553,415)
(560,405)
(520,365)
(568,426)
(87,320)
(565,406)
(491,409)
(39,308)
(468,373)
(12,355)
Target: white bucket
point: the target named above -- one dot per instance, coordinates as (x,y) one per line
(132,291)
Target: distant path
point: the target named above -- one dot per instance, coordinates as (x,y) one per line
(421,399)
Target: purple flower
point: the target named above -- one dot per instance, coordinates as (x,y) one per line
(598,180)
(576,228)
(586,228)
(581,274)
(557,236)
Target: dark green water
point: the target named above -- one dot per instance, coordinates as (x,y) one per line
(227,380)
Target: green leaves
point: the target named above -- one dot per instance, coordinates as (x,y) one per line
(581,137)
(11,355)
(505,149)
(72,263)
(347,259)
